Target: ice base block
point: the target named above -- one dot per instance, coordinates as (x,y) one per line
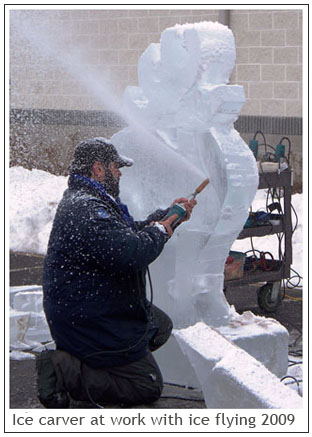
(228,376)
(27,319)
(263,338)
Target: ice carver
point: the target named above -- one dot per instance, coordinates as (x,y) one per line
(94,290)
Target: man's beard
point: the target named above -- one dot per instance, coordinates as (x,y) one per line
(111,184)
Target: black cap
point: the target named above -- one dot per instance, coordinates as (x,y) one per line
(96,149)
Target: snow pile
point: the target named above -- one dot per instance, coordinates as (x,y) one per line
(34,195)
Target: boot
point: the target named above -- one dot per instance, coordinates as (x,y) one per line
(51,392)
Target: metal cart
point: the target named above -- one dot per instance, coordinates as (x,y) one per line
(269,293)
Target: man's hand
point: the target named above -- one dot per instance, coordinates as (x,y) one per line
(188,205)
(167,224)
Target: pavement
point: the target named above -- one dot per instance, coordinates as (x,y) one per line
(27,270)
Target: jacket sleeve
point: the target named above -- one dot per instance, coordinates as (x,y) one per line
(158,215)
(117,247)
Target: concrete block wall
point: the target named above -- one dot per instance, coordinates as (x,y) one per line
(269,60)
(109,42)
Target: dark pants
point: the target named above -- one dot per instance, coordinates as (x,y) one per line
(165,327)
(132,384)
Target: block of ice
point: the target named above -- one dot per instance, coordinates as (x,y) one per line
(229,377)
(38,329)
(263,338)
(28,301)
(42,347)
(175,368)
(28,325)
(20,288)
(19,323)
(21,356)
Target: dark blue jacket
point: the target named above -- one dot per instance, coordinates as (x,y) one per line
(94,277)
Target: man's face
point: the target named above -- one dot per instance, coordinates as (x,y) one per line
(111,178)
(108,175)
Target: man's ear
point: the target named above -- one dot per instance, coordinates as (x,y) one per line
(98,170)
(111,166)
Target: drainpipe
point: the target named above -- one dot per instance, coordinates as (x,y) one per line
(224,17)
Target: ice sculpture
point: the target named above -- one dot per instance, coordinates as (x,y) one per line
(184,100)
(186,110)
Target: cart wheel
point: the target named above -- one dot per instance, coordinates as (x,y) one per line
(265,300)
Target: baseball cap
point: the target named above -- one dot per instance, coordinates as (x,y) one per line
(96,149)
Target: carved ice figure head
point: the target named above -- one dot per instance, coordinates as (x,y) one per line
(186,55)
(184,101)
(182,79)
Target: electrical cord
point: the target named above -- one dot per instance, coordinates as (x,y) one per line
(294,363)
(289,145)
(252,247)
(297,353)
(261,133)
(277,194)
(289,283)
(298,299)
(288,160)
(296,215)
(294,379)
(295,342)
(266,145)
(182,398)
(292,298)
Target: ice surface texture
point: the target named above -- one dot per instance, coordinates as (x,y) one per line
(186,111)
(28,325)
(229,376)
